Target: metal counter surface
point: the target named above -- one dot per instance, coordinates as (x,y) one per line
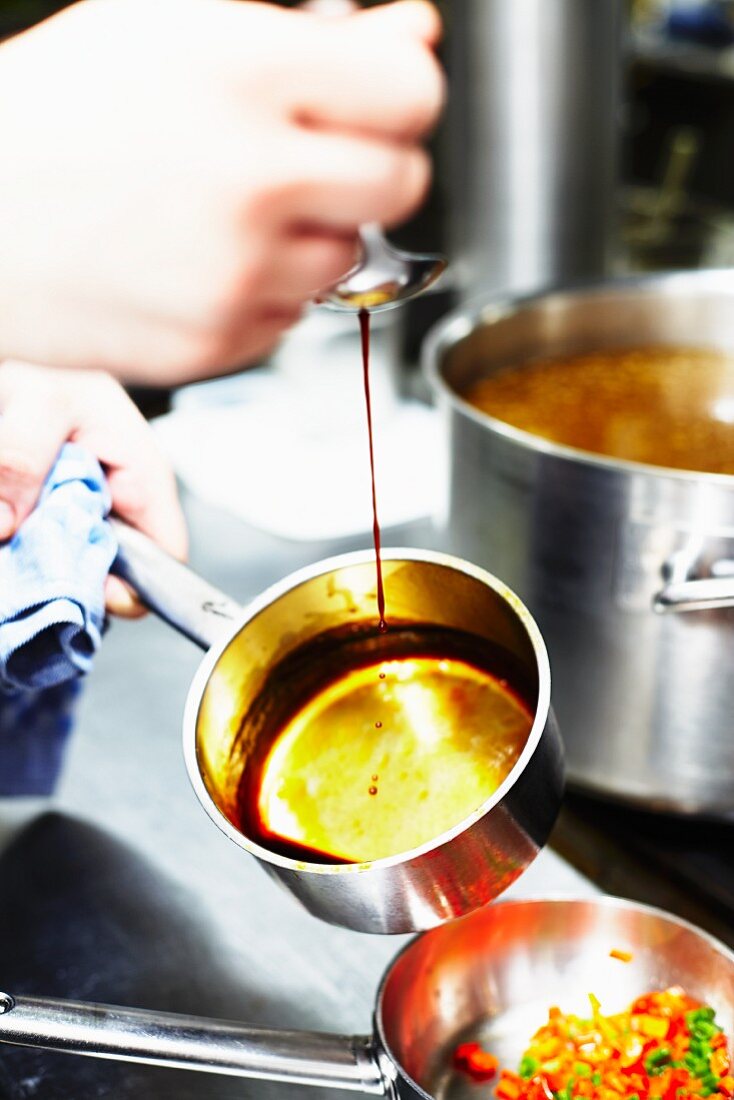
(120,890)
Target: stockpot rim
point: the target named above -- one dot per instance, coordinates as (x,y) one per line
(484,311)
(327,565)
(601,900)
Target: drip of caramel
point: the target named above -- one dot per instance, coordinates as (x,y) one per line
(364,328)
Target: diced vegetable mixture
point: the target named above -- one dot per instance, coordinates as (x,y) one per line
(665,1046)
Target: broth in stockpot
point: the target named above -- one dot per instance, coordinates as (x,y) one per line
(662,406)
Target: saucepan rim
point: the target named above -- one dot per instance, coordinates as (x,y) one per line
(294,580)
(600,901)
(484,311)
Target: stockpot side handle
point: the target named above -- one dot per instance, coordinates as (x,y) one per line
(174,592)
(705,594)
(192,1043)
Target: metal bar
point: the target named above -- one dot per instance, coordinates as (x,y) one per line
(706,594)
(174,592)
(189,1042)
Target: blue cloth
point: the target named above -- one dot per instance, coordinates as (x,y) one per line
(34,729)
(52,575)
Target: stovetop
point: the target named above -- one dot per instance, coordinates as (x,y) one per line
(682,864)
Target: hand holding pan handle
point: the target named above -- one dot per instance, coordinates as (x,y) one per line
(174,592)
(189,1042)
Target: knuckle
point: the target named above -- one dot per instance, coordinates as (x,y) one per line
(403,187)
(276,204)
(129,496)
(432,84)
(409,186)
(419,95)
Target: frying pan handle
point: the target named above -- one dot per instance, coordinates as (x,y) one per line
(174,592)
(189,1042)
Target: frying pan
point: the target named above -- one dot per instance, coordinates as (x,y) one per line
(254,650)
(491,976)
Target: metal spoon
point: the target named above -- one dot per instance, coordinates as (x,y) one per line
(384,277)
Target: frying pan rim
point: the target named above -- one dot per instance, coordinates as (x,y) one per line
(604,901)
(486,311)
(291,582)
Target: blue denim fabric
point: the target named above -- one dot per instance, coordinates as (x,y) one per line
(34,729)
(52,575)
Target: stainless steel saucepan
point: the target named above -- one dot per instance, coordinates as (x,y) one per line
(597,547)
(459,871)
(490,977)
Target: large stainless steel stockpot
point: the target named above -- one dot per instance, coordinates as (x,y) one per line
(490,977)
(457,872)
(597,546)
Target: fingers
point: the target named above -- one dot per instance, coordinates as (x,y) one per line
(121,601)
(144,493)
(141,483)
(305,262)
(41,409)
(344,181)
(413,18)
(372,73)
(34,426)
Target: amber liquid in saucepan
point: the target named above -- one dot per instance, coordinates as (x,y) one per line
(394,740)
(375,740)
(663,406)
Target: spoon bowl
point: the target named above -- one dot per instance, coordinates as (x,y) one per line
(384,277)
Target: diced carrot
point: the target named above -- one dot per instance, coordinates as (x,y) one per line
(623,956)
(643,1053)
(507,1088)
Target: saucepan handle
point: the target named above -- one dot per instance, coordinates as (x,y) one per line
(705,594)
(684,591)
(174,592)
(193,1043)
